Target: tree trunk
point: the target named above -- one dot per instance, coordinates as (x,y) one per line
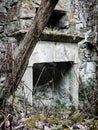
(25,49)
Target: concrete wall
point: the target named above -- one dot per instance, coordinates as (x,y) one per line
(28,83)
(81,76)
(67,91)
(54,52)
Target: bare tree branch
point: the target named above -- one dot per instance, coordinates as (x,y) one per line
(25,49)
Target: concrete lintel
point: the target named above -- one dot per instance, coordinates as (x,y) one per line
(59,37)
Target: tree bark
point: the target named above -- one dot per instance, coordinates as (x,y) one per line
(25,49)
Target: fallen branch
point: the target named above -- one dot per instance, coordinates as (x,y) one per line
(18,127)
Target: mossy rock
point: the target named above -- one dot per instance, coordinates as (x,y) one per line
(53,119)
(42,117)
(77,117)
(30,121)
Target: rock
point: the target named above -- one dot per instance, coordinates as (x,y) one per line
(2,9)
(84,45)
(1,29)
(77,117)
(3,19)
(12,27)
(14,41)
(13,2)
(61,5)
(25,24)
(26,11)
(82,56)
(13,13)
(91,67)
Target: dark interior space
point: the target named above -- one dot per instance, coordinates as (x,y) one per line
(44,73)
(55,18)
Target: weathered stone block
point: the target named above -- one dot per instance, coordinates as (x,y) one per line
(13,13)
(26,11)
(3,19)
(25,24)
(12,27)
(1,29)
(2,9)
(3,40)
(94,56)
(82,56)
(83,66)
(61,5)
(14,41)
(91,67)
(22,10)
(83,45)
(91,80)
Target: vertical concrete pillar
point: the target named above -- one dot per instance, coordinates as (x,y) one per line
(28,79)
(74,85)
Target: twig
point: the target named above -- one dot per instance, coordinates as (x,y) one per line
(39,78)
(4,120)
(89,106)
(18,127)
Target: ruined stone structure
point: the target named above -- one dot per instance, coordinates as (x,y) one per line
(63,61)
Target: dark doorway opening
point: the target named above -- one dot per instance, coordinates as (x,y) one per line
(44,73)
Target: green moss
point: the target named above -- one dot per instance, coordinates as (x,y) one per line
(53,31)
(42,117)
(77,117)
(30,121)
(28,1)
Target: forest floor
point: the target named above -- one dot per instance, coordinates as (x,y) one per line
(16,115)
